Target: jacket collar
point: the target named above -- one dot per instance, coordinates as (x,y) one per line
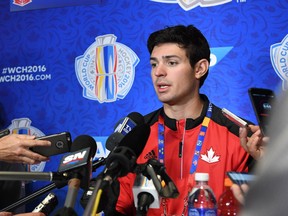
(190,123)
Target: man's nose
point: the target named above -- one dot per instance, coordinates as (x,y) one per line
(160,70)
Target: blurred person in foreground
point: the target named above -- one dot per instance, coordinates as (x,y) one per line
(268,194)
(253,148)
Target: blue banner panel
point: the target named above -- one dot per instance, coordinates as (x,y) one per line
(83,69)
(22,5)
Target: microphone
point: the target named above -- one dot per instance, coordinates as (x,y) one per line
(47,205)
(80,160)
(122,159)
(32,176)
(97,163)
(145,195)
(80,164)
(151,183)
(156,171)
(123,127)
(84,141)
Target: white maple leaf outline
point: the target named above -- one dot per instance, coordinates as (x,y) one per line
(211,158)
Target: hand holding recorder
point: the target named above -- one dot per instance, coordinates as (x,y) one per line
(27,149)
(14,148)
(60,143)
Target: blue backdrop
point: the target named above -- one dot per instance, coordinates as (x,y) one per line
(51,76)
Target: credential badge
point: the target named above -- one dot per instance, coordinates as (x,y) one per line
(106,70)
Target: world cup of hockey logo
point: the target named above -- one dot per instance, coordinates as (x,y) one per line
(279,60)
(190,4)
(106,70)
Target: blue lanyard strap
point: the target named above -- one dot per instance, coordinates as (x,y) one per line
(200,140)
(201,137)
(161,140)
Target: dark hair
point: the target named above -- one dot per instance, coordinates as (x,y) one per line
(188,37)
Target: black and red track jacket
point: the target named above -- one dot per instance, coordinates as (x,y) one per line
(220,152)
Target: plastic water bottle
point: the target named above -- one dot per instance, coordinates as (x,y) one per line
(201,200)
(227,203)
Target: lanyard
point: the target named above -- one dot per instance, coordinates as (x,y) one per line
(200,140)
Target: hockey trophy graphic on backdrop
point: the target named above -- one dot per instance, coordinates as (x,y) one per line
(106,71)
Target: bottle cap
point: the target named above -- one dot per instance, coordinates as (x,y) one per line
(201,176)
(228,182)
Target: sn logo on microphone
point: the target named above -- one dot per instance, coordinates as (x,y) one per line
(74,157)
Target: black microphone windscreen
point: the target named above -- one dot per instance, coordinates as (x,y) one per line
(123,158)
(136,139)
(84,141)
(136,117)
(123,127)
(113,140)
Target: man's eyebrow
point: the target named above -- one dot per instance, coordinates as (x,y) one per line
(170,56)
(165,57)
(153,58)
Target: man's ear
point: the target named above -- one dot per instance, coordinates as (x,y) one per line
(201,68)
